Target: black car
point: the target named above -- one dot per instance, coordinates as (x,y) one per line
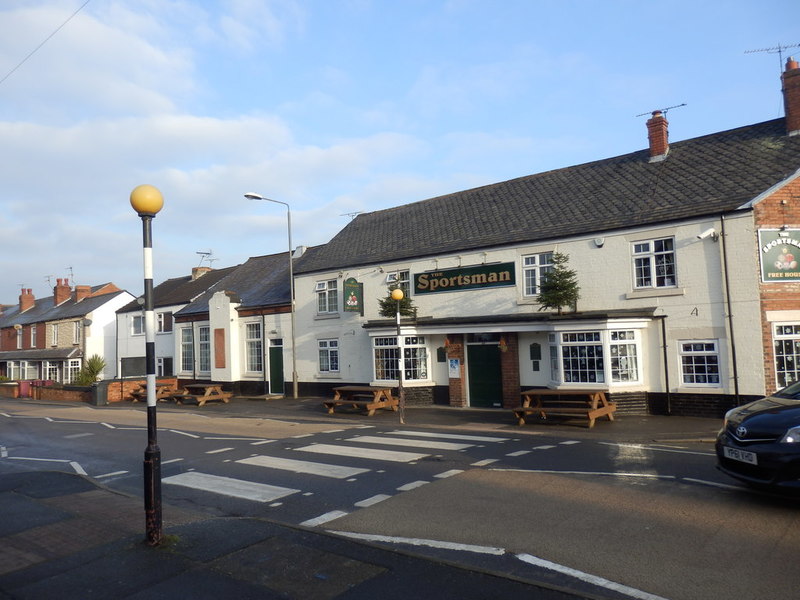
(759,443)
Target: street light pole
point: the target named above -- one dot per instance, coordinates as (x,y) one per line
(254,196)
(397,296)
(146,200)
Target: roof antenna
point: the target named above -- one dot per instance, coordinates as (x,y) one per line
(71,275)
(775,50)
(662,110)
(352,215)
(206,256)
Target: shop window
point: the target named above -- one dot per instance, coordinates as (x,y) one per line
(415,358)
(654,263)
(582,357)
(624,356)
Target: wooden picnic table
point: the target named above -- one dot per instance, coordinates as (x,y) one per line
(367,396)
(544,401)
(164,391)
(202,393)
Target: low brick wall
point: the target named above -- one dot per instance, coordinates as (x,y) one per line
(68,393)
(121,390)
(9,389)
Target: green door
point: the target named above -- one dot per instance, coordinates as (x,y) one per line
(485,377)
(276,370)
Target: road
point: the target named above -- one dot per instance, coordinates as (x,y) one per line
(605,518)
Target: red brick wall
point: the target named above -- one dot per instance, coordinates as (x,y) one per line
(509,369)
(781,208)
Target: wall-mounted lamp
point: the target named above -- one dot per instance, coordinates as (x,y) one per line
(710,232)
(598,242)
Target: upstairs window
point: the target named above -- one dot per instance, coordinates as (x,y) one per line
(54,334)
(33,336)
(164,322)
(654,264)
(137,325)
(534,268)
(77,332)
(327,296)
(400,279)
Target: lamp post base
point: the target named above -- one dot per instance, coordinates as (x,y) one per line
(152,494)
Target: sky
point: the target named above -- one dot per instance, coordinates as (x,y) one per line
(333,107)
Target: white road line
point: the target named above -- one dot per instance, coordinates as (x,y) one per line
(327,517)
(654,449)
(303,466)
(588,578)
(3,452)
(449,473)
(109,425)
(237,488)
(58,460)
(484,462)
(191,435)
(368,453)
(77,467)
(519,453)
(724,486)
(333,431)
(77,435)
(262,442)
(172,460)
(302,435)
(110,474)
(604,473)
(235,439)
(543,447)
(412,486)
(370,501)
(372,439)
(448,436)
(218,450)
(569,442)
(421,542)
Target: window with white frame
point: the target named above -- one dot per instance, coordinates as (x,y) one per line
(624,355)
(327,296)
(328,356)
(164,366)
(415,358)
(73,367)
(699,362)
(19,338)
(582,357)
(163,322)
(254,347)
(51,370)
(54,334)
(137,325)
(654,263)
(786,342)
(400,279)
(534,268)
(204,349)
(33,336)
(187,349)
(77,331)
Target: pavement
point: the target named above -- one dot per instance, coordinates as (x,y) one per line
(63,535)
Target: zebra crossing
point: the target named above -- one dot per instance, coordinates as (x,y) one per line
(327,459)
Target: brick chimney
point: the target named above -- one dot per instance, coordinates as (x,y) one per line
(61,292)
(657,135)
(81,292)
(790,80)
(198,272)
(26,300)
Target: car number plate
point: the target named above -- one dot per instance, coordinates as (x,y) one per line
(740,455)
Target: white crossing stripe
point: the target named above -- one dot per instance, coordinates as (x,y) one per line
(569,442)
(218,450)
(372,439)
(368,453)
(303,466)
(449,436)
(449,473)
(329,516)
(77,435)
(543,447)
(519,453)
(237,488)
(412,486)
(373,500)
(484,462)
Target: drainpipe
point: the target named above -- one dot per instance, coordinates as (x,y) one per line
(666,362)
(723,237)
(264,353)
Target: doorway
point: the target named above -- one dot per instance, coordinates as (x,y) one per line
(485,376)
(276,381)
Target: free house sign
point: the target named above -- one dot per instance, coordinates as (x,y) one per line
(779,251)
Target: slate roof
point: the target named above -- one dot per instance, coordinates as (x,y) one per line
(707,175)
(180,290)
(44,310)
(262,281)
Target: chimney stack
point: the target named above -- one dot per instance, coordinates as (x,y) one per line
(61,292)
(26,300)
(657,135)
(790,80)
(82,291)
(198,272)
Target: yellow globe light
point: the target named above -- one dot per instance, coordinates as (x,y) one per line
(146,199)
(397,294)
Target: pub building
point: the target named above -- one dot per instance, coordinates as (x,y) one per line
(686,255)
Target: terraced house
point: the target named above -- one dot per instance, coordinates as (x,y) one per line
(686,254)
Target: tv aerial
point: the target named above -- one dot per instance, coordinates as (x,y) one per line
(352,215)
(206,256)
(661,110)
(774,50)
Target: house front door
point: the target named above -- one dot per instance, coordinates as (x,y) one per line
(485,377)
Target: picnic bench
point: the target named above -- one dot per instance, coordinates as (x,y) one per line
(164,392)
(590,404)
(201,393)
(369,397)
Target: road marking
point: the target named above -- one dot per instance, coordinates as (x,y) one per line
(724,486)
(654,449)
(237,488)
(262,442)
(59,460)
(329,516)
(110,474)
(543,447)
(303,466)
(235,439)
(218,450)
(77,435)
(484,462)
(569,442)
(109,425)
(412,486)
(448,436)
(449,473)
(77,467)
(588,578)
(368,453)
(605,473)
(3,452)
(519,453)
(191,435)
(172,460)
(302,435)
(421,542)
(371,501)
(372,439)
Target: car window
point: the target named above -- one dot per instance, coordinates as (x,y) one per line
(790,391)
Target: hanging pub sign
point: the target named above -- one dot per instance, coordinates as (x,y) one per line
(780,254)
(465,278)
(353,296)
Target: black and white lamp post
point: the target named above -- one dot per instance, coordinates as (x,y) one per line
(397,296)
(146,200)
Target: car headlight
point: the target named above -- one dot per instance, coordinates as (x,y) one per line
(792,436)
(728,416)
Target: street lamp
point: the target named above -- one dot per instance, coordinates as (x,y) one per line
(146,200)
(397,296)
(254,196)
